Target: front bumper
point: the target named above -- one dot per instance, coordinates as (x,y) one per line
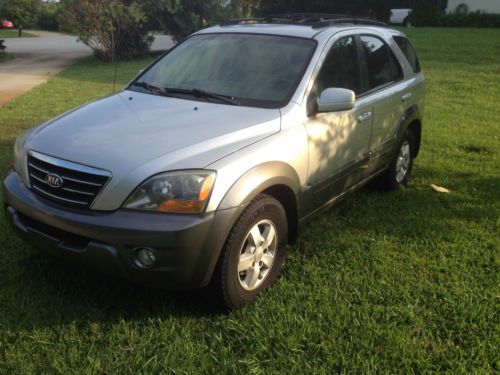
(186,246)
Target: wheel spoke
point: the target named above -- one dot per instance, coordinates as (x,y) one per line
(401,175)
(269,235)
(399,163)
(246,262)
(406,149)
(268,259)
(252,277)
(255,236)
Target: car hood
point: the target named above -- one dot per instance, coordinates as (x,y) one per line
(135,135)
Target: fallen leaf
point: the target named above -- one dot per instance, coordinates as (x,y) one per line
(440,189)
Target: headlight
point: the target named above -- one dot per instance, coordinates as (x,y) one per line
(19,150)
(175,192)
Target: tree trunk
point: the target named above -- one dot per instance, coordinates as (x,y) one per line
(20,31)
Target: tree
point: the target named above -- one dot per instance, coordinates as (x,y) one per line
(48,16)
(181,18)
(110,27)
(21,12)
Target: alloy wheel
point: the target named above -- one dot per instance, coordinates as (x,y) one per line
(257,255)
(403,162)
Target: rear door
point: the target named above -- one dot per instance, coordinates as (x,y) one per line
(385,87)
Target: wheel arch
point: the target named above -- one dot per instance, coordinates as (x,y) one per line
(276,179)
(411,120)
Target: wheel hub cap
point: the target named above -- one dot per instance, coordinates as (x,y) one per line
(257,255)
(403,162)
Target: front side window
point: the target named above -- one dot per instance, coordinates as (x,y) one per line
(341,67)
(339,70)
(255,70)
(383,67)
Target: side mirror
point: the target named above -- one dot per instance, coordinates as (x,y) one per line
(336,100)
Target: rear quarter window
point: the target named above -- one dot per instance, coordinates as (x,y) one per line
(408,50)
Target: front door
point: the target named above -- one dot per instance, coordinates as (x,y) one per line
(339,142)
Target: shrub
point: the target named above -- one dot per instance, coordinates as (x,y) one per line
(379,9)
(473,19)
(48,17)
(181,18)
(110,27)
(21,12)
(427,12)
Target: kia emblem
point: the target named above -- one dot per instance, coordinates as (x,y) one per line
(54,180)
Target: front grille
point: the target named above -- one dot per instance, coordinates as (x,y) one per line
(80,184)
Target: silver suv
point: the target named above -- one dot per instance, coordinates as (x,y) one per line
(204,168)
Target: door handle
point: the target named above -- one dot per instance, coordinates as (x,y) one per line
(365,116)
(406,97)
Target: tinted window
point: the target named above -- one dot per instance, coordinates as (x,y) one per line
(382,65)
(341,67)
(259,70)
(409,52)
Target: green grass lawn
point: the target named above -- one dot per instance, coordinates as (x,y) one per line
(14,33)
(402,282)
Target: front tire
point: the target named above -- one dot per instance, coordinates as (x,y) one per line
(253,254)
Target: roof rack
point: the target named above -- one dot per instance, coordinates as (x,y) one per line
(315,20)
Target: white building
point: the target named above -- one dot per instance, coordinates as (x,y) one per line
(466,6)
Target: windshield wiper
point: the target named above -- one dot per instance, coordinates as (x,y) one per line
(203,94)
(150,88)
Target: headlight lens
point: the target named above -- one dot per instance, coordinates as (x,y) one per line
(175,192)
(20,150)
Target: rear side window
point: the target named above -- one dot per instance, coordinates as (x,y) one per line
(409,52)
(382,65)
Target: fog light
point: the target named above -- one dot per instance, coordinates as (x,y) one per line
(145,257)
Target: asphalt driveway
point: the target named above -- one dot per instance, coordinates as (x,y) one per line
(37,59)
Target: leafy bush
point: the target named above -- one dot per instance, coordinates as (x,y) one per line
(48,17)
(432,13)
(21,12)
(110,27)
(427,12)
(181,18)
(379,9)
(473,19)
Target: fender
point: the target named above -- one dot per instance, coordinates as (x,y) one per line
(258,179)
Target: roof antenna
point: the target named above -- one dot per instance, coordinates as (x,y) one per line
(115,62)
(114,79)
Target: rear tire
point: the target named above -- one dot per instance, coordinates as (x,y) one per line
(399,171)
(253,254)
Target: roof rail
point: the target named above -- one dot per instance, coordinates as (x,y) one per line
(315,20)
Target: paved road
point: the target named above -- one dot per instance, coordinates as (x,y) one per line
(37,59)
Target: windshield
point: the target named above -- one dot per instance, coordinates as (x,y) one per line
(253,70)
